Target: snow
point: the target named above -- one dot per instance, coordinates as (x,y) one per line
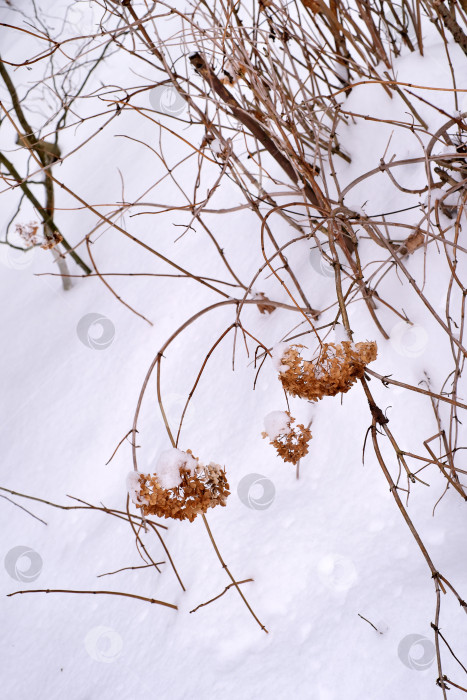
(341,71)
(217,147)
(169,464)
(277,423)
(340,334)
(133,486)
(278,352)
(330,546)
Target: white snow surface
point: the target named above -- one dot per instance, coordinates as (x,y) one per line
(331,545)
(277,423)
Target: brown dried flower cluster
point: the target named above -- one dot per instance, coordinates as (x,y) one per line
(336,368)
(52,240)
(206,488)
(30,234)
(294,445)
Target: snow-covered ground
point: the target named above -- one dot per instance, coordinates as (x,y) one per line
(322,550)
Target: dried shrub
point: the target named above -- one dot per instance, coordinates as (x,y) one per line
(204,487)
(293,445)
(336,368)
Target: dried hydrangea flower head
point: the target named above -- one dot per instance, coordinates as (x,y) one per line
(30,234)
(336,368)
(180,488)
(290,442)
